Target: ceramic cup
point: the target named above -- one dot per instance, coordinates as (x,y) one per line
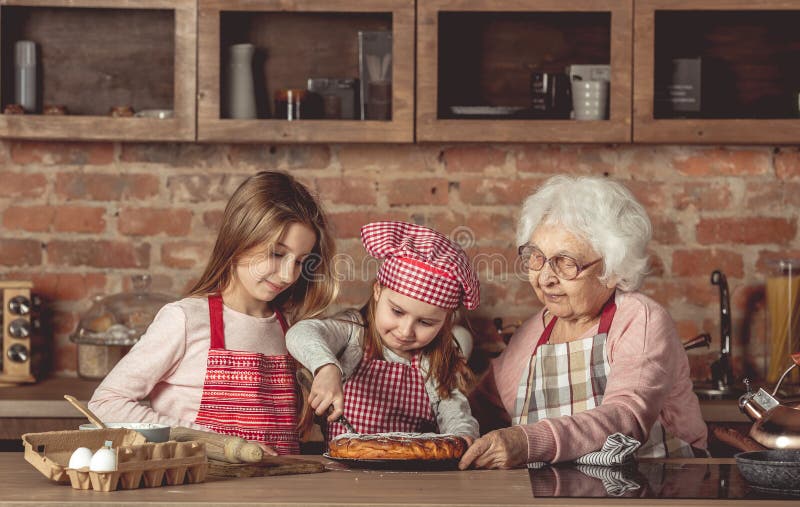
(590,100)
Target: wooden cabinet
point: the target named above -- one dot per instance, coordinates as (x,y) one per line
(95,55)
(467,79)
(480,54)
(294,41)
(749,54)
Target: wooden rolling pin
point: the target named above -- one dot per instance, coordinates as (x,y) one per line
(225,448)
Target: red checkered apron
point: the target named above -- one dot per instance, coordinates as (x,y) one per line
(248,394)
(567,378)
(384,397)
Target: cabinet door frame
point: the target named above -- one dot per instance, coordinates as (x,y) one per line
(617,129)
(400,129)
(179,128)
(647,129)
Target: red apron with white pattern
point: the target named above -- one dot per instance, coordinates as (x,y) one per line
(383,397)
(248,394)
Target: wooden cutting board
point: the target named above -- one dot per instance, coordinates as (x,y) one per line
(269,465)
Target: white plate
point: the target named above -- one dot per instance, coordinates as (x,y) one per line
(486,110)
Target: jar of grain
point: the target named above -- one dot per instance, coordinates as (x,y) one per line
(113,325)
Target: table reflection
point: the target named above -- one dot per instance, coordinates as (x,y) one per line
(647,479)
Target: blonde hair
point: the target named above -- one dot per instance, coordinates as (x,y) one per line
(261,211)
(447,365)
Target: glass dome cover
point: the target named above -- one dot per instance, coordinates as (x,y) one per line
(120,319)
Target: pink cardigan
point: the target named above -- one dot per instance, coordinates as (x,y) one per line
(649,380)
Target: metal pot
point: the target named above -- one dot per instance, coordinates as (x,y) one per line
(776,471)
(776,426)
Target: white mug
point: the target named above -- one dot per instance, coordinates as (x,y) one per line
(590,99)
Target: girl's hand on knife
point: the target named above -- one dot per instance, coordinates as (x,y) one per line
(326,391)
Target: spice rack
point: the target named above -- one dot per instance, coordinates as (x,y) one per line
(21,342)
(148,465)
(95,55)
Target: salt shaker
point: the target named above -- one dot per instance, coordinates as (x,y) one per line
(25,75)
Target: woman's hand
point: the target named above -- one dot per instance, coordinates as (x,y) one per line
(468,438)
(326,391)
(505,448)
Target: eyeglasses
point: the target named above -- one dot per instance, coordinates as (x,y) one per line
(563,266)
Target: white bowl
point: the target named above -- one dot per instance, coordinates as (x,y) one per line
(153,432)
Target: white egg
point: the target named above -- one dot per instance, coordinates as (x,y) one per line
(104,460)
(80,458)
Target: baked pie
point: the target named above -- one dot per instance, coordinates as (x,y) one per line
(399,446)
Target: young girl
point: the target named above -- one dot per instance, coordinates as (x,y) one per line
(393,365)
(217,360)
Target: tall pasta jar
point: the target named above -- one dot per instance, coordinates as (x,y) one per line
(783,318)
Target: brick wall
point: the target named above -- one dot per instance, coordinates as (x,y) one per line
(79,218)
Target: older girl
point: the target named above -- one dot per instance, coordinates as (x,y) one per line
(217,360)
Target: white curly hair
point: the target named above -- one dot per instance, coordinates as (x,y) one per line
(603,213)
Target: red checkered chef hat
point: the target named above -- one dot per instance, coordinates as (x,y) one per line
(422,263)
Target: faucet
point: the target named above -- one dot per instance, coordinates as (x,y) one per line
(721,372)
(505,331)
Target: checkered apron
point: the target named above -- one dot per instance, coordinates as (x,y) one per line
(382,397)
(568,378)
(248,394)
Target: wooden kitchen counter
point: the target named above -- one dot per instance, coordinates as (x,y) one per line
(29,408)
(24,485)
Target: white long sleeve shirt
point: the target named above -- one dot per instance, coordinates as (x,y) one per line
(168,364)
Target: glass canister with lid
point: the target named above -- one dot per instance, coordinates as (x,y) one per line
(113,325)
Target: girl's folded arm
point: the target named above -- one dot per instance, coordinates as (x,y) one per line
(151,360)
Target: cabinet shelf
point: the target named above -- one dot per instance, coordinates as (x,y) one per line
(749,79)
(295,41)
(469,78)
(94,55)
(481,53)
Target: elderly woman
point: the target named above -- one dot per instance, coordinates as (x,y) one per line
(599,358)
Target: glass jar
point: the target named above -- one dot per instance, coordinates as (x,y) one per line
(783,318)
(113,325)
(297,104)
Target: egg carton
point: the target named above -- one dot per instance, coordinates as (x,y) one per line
(138,463)
(147,465)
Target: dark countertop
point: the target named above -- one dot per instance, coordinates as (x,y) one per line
(45,398)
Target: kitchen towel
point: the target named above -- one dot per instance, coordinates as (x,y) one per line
(617,450)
